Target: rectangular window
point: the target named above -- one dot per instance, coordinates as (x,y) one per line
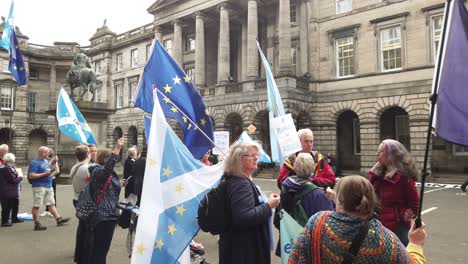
(190,42)
(390,48)
(132,86)
(436,33)
(33,75)
(343,6)
(5,64)
(190,71)
(97,67)
(118,62)
(133,58)
(119,94)
(292,11)
(31,102)
(168,45)
(7,94)
(293,59)
(460,150)
(344,57)
(148,51)
(356,136)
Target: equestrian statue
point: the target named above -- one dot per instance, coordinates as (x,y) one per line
(81,75)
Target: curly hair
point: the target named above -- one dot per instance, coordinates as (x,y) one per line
(233,163)
(400,158)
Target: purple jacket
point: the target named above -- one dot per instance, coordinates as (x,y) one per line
(9,181)
(313,202)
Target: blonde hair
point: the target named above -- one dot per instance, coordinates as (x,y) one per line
(233,163)
(9,158)
(400,158)
(304,165)
(356,194)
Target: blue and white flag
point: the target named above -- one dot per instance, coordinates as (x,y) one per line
(71,122)
(244,137)
(175,183)
(275,106)
(16,63)
(176,94)
(7,30)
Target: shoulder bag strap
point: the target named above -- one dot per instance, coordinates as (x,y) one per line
(74,172)
(103,191)
(357,243)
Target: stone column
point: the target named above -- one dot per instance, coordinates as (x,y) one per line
(199,49)
(53,88)
(304,39)
(284,37)
(223,44)
(252,33)
(177,51)
(158,33)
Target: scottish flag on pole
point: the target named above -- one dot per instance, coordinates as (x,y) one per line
(174,185)
(275,106)
(71,122)
(451,120)
(7,29)
(162,73)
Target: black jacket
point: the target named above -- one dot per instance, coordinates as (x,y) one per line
(129,165)
(249,239)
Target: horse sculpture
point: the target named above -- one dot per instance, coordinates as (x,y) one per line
(81,75)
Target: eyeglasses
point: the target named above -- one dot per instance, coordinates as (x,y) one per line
(251,155)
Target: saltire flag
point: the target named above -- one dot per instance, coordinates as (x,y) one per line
(7,30)
(162,73)
(451,115)
(16,63)
(71,122)
(244,137)
(174,185)
(275,106)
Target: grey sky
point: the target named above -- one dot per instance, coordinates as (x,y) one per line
(46,21)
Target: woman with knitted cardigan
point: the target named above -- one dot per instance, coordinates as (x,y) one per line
(328,236)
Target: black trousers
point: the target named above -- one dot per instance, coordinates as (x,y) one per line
(81,255)
(9,206)
(103,233)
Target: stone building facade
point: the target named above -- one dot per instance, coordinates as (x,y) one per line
(355,72)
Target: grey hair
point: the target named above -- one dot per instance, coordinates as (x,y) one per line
(3,147)
(233,163)
(304,165)
(400,158)
(9,158)
(304,132)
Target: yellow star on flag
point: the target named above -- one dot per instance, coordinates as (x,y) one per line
(207,112)
(185,119)
(14,67)
(140,248)
(152,162)
(21,68)
(167,100)
(167,172)
(171,229)
(189,126)
(180,210)
(159,244)
(203,122)
(176,80)
(173,109)
(187,79)
(179,188)
(167,88)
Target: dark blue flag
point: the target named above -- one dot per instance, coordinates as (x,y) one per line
(16,64)
(162,73)
(452,102)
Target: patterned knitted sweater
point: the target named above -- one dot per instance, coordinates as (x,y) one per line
(335,234)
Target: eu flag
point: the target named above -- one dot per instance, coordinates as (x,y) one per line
(452,110)
(16,64)
(176,94)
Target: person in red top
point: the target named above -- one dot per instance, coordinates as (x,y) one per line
(393,178)
(323,174)
(3,151)
(205,160)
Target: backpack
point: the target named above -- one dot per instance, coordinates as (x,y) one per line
(214,213)
(291,202)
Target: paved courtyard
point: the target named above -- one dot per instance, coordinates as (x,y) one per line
(445,218)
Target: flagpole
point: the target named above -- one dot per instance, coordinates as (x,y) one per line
(433,100)
(194,124)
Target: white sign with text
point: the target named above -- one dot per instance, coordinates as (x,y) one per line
(221,139)
(285,130)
